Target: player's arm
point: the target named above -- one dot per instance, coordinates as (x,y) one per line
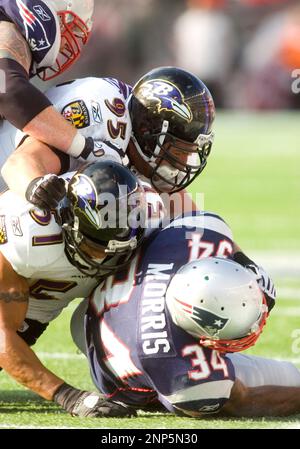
(21,363)
(16,357)
(31,161)
(262,401)
(263,279)
(25,106)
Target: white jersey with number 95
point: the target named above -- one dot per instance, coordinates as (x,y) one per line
(96,107)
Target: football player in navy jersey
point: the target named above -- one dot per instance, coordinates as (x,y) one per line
(168,329)
(43,38)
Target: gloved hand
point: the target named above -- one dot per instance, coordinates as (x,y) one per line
(88,404)
(46,192)
(265,283)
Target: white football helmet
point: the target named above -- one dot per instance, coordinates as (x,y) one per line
(75,17)
(219,302)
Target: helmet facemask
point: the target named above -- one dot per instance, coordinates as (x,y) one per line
(242,343)
(100,218)
(175,163)
(117,253)
(75,34)
(172,114)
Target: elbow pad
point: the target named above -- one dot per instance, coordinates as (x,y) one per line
(20,101)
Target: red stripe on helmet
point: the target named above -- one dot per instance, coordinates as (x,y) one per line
(28,16)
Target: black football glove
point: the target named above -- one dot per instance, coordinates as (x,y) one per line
(265,283)
(88,404)
(46,192)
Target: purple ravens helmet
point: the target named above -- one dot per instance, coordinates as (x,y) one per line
(172,113)
(96,213)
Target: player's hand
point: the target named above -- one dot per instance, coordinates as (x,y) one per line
(46,192)
(88,404)
(265,283)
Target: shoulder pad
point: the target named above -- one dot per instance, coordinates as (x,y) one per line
(32,240)
(97,107)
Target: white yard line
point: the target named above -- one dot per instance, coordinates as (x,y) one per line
(292,293)
(16,426)
(70,356)
(286,311)
(295,360)
(278,263)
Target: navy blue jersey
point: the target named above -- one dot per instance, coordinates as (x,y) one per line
(39,25)
(136,353)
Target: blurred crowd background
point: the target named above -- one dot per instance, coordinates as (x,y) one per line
(246,51)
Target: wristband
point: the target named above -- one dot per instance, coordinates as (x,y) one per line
(77,146)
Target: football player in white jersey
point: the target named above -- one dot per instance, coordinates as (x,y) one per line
(95,106)
(162,130)
(47,259)
(187,309)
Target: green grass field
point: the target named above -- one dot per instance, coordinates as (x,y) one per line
(253,181)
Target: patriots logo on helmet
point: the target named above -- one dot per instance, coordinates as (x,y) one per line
(208,321)
(86,199)
(35,32)
(169,98)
